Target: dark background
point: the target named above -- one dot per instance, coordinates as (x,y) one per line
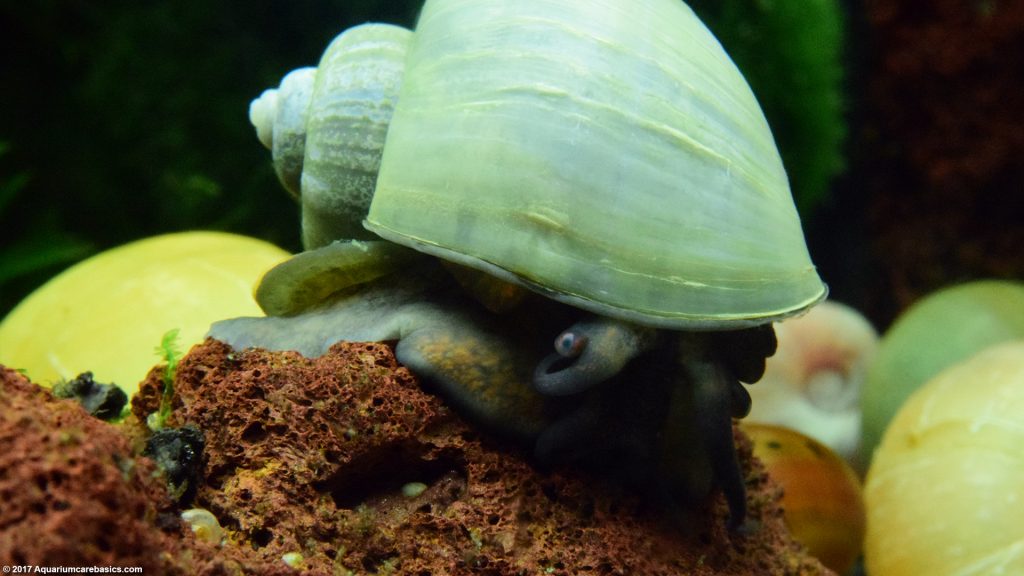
(127,119)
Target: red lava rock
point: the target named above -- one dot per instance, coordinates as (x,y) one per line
(311,456)
(320,457)
(73,492)
(942,147)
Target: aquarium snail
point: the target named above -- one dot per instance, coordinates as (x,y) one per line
(822,499)
(608,156)
(813,382)
(948,474)
(939,330)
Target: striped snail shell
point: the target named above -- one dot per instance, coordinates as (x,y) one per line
(325,127)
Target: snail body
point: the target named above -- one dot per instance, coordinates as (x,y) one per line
(372,291)
(605,155)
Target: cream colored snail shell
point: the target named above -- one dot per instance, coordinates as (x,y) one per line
(812,384)
(608,154)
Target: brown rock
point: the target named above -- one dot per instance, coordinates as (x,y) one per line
(941,150)
(311,456)
(344,460)
(72,490)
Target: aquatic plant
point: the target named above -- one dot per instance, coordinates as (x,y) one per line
(170,354)
(792,53)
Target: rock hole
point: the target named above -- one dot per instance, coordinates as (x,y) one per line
(384,472)
(103,544)
(254,432)
(550,492)
(260,538)
(380,563)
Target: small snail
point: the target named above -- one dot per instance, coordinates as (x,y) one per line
(822,497)
(941,329)
(813,382)
(607,156)
(943,491)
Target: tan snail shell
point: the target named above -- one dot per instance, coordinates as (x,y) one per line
(946,486)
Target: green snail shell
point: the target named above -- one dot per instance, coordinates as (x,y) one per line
(605,153)
(608,153)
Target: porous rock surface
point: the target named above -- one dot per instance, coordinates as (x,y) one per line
(72,492)
(347,461)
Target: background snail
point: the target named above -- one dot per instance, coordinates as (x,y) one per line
(947,477)
(940,330)
(145,288)
(605,155)
(822,497)
(813,382)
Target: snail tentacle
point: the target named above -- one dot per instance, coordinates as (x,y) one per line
(591,352)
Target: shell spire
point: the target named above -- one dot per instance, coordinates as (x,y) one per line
(326,128)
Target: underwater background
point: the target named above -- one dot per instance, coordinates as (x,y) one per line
(899,122)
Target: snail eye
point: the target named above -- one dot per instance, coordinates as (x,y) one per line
(570,344)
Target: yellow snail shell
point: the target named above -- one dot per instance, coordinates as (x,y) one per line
(945,491)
